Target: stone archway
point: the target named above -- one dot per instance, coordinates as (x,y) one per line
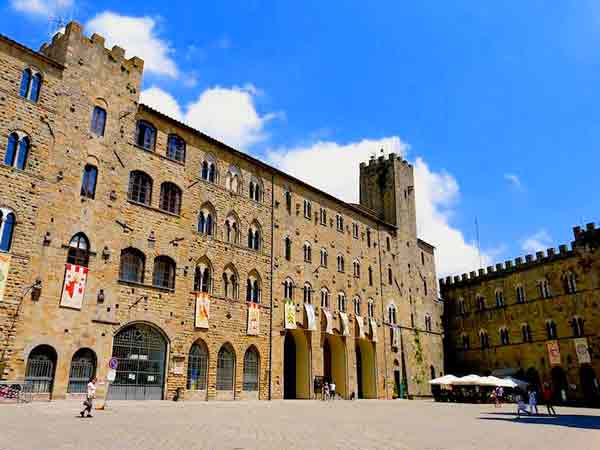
(334,363)
(366,373)
(296,366)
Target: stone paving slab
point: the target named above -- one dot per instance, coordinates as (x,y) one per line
(364,424)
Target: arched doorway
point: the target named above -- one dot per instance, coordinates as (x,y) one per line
(365,369)
(41,366)
(334,363)
(532,377)
(251,373)
(589,385)
(559,384)
(296,366)
(141,351)
(197,372)
(226,373)
(83,367)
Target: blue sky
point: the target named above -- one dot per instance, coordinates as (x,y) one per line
(494,102)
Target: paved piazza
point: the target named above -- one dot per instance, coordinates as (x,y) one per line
(363,424)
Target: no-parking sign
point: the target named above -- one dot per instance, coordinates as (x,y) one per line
(113,363)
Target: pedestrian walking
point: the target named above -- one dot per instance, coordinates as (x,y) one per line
(332,390)
(547,396)
(89,398)
(326,391)
(521,407)
(532,400)
(499,395)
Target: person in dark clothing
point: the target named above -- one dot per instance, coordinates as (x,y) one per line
(547,396)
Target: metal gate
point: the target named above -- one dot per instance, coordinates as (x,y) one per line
(83,367)
(39,376)
(141,352)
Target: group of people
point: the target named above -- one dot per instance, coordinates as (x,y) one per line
(328,390)
(547,396)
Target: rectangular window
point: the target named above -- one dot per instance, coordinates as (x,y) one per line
(339,223)
(307,209)
(88,183)
(323,216)
(355,230)
(98,121)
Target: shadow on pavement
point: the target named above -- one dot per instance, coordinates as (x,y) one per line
(564,420)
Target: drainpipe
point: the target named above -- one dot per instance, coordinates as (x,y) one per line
(271,287)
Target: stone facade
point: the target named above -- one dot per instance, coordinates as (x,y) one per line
(547,300)
(384,262)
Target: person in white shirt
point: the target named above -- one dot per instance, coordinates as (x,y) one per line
(89,399)
(332,390)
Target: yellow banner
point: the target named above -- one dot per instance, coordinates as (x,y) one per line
(553,353)
(202,310)
(582,350)
(253,319)
(290,315)
(4,268)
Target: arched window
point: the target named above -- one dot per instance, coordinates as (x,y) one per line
(17,150)
(323,257)
(520,294)
(232,230)
(357,306)
(287,244)
(79,250)
(425,286)
(132,266)
(225,369)
(145,136)
(230,283)
(339,223)
(233,179)
(307,209)
(356,268)
(140,187)
(176,148)
(325,298)
(427,322)
(254,240)
(255,189)
(526,331)
(197,374)
(164,272)
(570,280)
(480,301)
(370,276)
(371,308)
(288,289)
(369,237)
(206,220)
(307,293)
(577,326)
(483,339)
(88,182)
(39,374)
(390,275)
(504,338)
(392,313)
(7,228)
(388,243)
(203,277)
(431,372)
(170,198)
(251,370)
(340,263)
(253,288)
(31,84)
(544,288)
(209,169)
(288,201)
(342,302)
(307,252)
(98,123)
(83,367)
(551,329)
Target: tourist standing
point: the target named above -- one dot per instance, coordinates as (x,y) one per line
(89,399)
(332,390)
(547,396)
(532,400)
(326,390)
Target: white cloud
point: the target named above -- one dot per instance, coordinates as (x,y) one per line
(436,192)
(227,114)
(41,7)
(138,36)
(513,179)
(538,241)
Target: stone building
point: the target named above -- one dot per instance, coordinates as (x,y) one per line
(127,234)
(536,318)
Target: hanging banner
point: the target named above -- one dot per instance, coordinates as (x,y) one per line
(345,325)
(311,322)
(395,337)
(253,319)
(582,350)
(328,322)
(553,353)
(373,329)
(361,328)
(74,286)
(4,267)
(290,315)
(202,310)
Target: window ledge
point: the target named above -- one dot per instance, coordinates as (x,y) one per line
(153,208)
(159,155)
(147,286)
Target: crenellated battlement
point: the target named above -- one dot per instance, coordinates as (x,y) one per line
(582,237)
(62,45)
(375,162)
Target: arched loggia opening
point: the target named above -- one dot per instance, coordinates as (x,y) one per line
(365,369)
(589,385)
(559,384)
(334,363)
(296,362)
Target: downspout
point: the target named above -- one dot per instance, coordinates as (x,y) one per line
(271,287)
(382,314)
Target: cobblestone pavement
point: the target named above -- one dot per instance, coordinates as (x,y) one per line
(293,425)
